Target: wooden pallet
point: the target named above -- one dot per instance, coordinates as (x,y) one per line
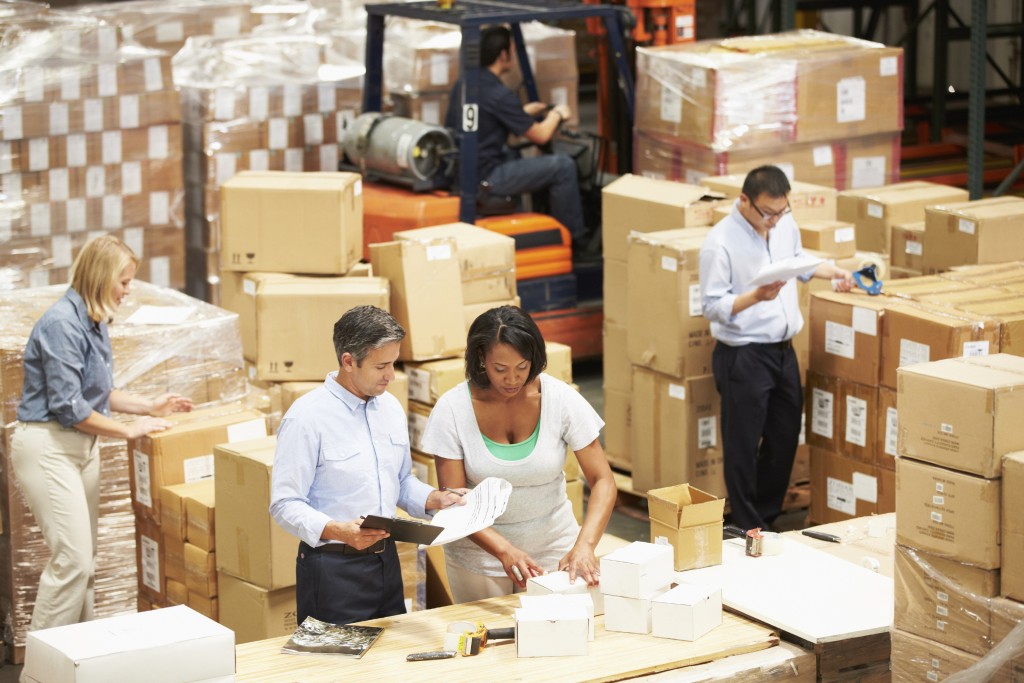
(578,328)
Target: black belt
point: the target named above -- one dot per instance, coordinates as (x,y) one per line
(375,549)
(784,345)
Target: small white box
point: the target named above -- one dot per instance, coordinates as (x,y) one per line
(171,645)
(640,570)
(558,600)
(551,632)
(558,582)
(630,615)
(686,612)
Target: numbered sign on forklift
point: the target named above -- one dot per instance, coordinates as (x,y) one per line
(470,117)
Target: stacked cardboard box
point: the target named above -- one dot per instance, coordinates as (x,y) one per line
(983,231)
(174,560)
(956,579)
(91,142)
(874,212)
(635,204)
(200,358)
(278,103)
(486,265)
(726,106)
(676,433)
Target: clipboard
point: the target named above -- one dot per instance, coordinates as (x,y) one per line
(406,530)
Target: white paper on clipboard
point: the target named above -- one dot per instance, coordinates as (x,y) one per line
(785,270)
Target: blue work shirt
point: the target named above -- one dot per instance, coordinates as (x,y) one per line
(732,255)
(500,114)
(69,365)
(338,458)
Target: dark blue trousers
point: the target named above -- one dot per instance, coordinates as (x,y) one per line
(342,589)
(762,404)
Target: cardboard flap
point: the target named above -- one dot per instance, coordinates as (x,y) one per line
(684,506)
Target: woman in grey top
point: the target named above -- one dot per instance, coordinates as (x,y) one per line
(513,422)
(67,397)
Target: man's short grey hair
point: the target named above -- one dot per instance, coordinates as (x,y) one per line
(364,328)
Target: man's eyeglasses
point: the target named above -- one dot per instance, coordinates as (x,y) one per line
(771,216)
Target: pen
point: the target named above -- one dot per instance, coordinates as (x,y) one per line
(822,536)
(457,493)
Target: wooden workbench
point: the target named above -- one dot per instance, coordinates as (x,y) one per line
(613,656)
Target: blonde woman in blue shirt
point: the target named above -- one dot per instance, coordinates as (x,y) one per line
(67,397)
(510,420)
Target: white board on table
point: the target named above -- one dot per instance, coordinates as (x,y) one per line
(803,591)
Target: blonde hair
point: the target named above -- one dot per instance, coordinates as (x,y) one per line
(95,272)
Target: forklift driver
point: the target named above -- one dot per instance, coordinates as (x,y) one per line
(501,114)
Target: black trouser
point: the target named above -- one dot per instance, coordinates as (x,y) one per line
(341,588)
(762,403)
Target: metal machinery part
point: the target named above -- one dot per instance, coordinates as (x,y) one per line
(401,150)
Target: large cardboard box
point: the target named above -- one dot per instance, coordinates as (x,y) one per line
(907,244)
(288,323)
(559,360)
(915,333)
(261,212)
(921,659)
(250,545)
(486,259)
(1012,562)
(184,453)
(616,279)
(858,408)
(981,231)
(962,413)
(691,520)
(150,560)
(429,380)
(200,571)
(875,210)
(947,513)
(835,238)
(676,432)
(172,509)
(943,599)
(636,204)
(293,390)
(846,336)
(744,92)
(426,295)
(808,201)
(255,613)
(1010,315)
(173,644)
(667,329)
(843,488)
(617,371)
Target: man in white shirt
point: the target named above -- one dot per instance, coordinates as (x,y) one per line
(343,453)
(754,363)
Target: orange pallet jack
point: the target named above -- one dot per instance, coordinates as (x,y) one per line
(543,245)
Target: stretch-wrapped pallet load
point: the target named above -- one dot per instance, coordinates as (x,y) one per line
(199,356)
(826,108)
(89,141)
(262,103)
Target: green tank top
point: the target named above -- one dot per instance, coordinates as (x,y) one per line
(513,451)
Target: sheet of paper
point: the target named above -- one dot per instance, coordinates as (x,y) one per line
(785,270)
(484,504)
(160,315)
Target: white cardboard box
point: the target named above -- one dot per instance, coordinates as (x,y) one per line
(558,582)
(630,615)
(558,601)
(686,612)
(640,570)
(171,645)
(551,631)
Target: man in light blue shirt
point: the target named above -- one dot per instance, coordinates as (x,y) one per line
(343,453)
(754,364)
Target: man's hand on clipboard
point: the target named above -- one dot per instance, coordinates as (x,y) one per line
(352,533)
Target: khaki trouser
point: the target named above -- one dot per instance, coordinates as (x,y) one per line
(58,472)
